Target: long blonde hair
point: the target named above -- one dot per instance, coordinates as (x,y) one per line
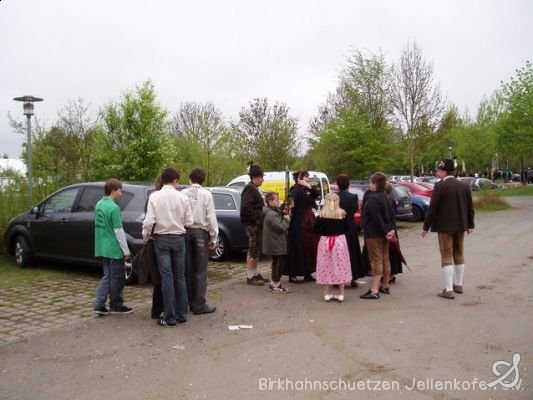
(332,208)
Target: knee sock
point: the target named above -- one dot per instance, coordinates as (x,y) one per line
(459,270)
(447,275)
(251,273)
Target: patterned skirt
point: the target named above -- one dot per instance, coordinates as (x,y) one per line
(333,261)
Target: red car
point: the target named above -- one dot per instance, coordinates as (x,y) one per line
(416,188)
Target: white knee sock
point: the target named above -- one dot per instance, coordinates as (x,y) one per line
(251,273)
(447,275)
(459,270)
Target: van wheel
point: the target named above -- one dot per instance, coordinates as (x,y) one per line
(23,256)
(222,250)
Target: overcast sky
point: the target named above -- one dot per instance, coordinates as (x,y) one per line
(229,52)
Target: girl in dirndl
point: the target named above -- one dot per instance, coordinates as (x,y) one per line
(333,257)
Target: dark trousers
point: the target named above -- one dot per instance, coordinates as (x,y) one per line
(197,242)
(278,263)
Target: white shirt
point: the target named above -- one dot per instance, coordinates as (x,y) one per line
(203,210)
(169,210)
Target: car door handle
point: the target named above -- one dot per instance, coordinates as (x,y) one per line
(64,220)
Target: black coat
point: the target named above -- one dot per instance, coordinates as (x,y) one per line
(378,215)
(451,208)
(349,202)
(251,205)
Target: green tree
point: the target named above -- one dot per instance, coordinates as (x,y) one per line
(515,125)
(199,127)
(349,144)
(134,140)
(416,99)
(352,132)
(266,134)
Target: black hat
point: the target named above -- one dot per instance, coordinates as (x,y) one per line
(446,165)
(255,171)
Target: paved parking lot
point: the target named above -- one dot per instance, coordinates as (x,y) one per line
(38,307)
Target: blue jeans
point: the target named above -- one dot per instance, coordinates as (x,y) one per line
(170,254)
(111,284)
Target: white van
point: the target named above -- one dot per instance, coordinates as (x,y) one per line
(274,181)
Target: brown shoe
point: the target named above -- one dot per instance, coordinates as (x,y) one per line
(260,277)
(458,289)
(255,281)
(446,294)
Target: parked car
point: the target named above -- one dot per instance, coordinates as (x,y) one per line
(416,188)
(232,236)
(61,227)
(420,207)
(401,197)
(480,183)
(427,179)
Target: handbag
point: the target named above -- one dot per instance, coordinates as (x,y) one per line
(144,263)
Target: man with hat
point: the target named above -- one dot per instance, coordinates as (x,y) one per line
(251,217)
(450,213)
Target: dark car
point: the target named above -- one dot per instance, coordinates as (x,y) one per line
(232,235)
(402,198)
(61,227)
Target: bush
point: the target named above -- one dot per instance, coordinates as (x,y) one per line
(490,200)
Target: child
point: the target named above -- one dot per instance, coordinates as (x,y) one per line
(275,226)
(333,258)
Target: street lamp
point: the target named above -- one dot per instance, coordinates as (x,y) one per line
(28,112)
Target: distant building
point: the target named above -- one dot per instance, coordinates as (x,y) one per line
(13,164)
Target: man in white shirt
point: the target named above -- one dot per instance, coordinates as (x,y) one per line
(170,211)
(200,238)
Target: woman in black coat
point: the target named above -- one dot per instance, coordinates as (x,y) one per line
(302,242)
(349,202)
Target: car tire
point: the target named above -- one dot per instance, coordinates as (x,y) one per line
(417,214)
(22,252)
(222,250)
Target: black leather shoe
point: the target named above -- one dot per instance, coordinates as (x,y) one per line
(309,278)
(384,290)
(204,310)
(293,279)
(353,283)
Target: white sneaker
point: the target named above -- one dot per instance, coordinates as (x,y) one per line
(339,298)
(328,297)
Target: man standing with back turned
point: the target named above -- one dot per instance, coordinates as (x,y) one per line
(170,212)
(450,213)
(201,237)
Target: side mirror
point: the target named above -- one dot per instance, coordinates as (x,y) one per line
(35,210)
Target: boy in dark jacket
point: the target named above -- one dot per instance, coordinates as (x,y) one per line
(275,227)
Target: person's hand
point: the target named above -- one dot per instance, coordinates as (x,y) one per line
(470,231)
(424,233)
(212,245)
(127,258)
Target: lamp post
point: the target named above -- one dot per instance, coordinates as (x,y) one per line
(28,112)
